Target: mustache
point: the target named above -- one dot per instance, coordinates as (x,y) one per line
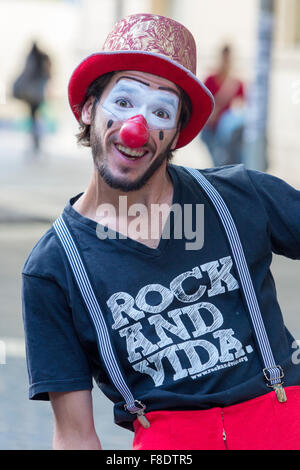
(149,145)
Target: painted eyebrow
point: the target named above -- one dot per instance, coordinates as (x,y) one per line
(165,99)
(148,84)
(135,79)
(125,88)
(169,89)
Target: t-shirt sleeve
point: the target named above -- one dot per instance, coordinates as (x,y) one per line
(56,361)
(282,204)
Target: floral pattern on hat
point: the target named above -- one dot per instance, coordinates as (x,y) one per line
(156,34)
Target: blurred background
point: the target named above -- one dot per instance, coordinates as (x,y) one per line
(248,55)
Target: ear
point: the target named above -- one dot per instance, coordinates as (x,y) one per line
(86,113)
(175,140)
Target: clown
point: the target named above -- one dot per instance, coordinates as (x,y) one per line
(189,343)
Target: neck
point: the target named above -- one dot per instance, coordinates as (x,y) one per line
(157,190)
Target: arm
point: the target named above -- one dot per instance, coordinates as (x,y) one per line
(73,421)
(282,204)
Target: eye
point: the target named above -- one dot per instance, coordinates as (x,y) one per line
(162,114)
(123,103)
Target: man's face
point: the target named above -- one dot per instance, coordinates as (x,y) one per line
(130,93)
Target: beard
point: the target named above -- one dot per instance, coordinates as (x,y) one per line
(118,183)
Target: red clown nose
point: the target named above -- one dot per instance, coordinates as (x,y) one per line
(135,133)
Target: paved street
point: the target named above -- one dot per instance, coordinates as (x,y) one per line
(32,194)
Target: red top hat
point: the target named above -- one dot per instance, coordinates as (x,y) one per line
(153,44)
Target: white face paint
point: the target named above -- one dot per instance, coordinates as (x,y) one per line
(129,98)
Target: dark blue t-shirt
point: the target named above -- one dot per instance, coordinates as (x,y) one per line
(178,322)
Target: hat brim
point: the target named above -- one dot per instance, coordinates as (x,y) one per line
(100,63)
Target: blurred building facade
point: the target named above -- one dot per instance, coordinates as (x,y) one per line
(69,30)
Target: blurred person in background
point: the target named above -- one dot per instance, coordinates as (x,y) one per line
(184,336)
(30,87)
(223,131)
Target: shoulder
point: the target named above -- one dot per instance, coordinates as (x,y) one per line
(45,258)
(236,174)
(226,172)
(229,175)
(235,182)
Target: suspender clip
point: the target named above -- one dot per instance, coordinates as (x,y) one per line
(140,414)
(280,393)
(277,387)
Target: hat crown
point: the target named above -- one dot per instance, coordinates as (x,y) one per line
(154,34)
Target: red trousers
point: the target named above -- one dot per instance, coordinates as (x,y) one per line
(262,423)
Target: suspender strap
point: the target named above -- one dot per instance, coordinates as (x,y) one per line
(272,372)
(93,307)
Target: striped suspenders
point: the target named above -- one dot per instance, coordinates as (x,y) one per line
(103,337)
(272,372)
